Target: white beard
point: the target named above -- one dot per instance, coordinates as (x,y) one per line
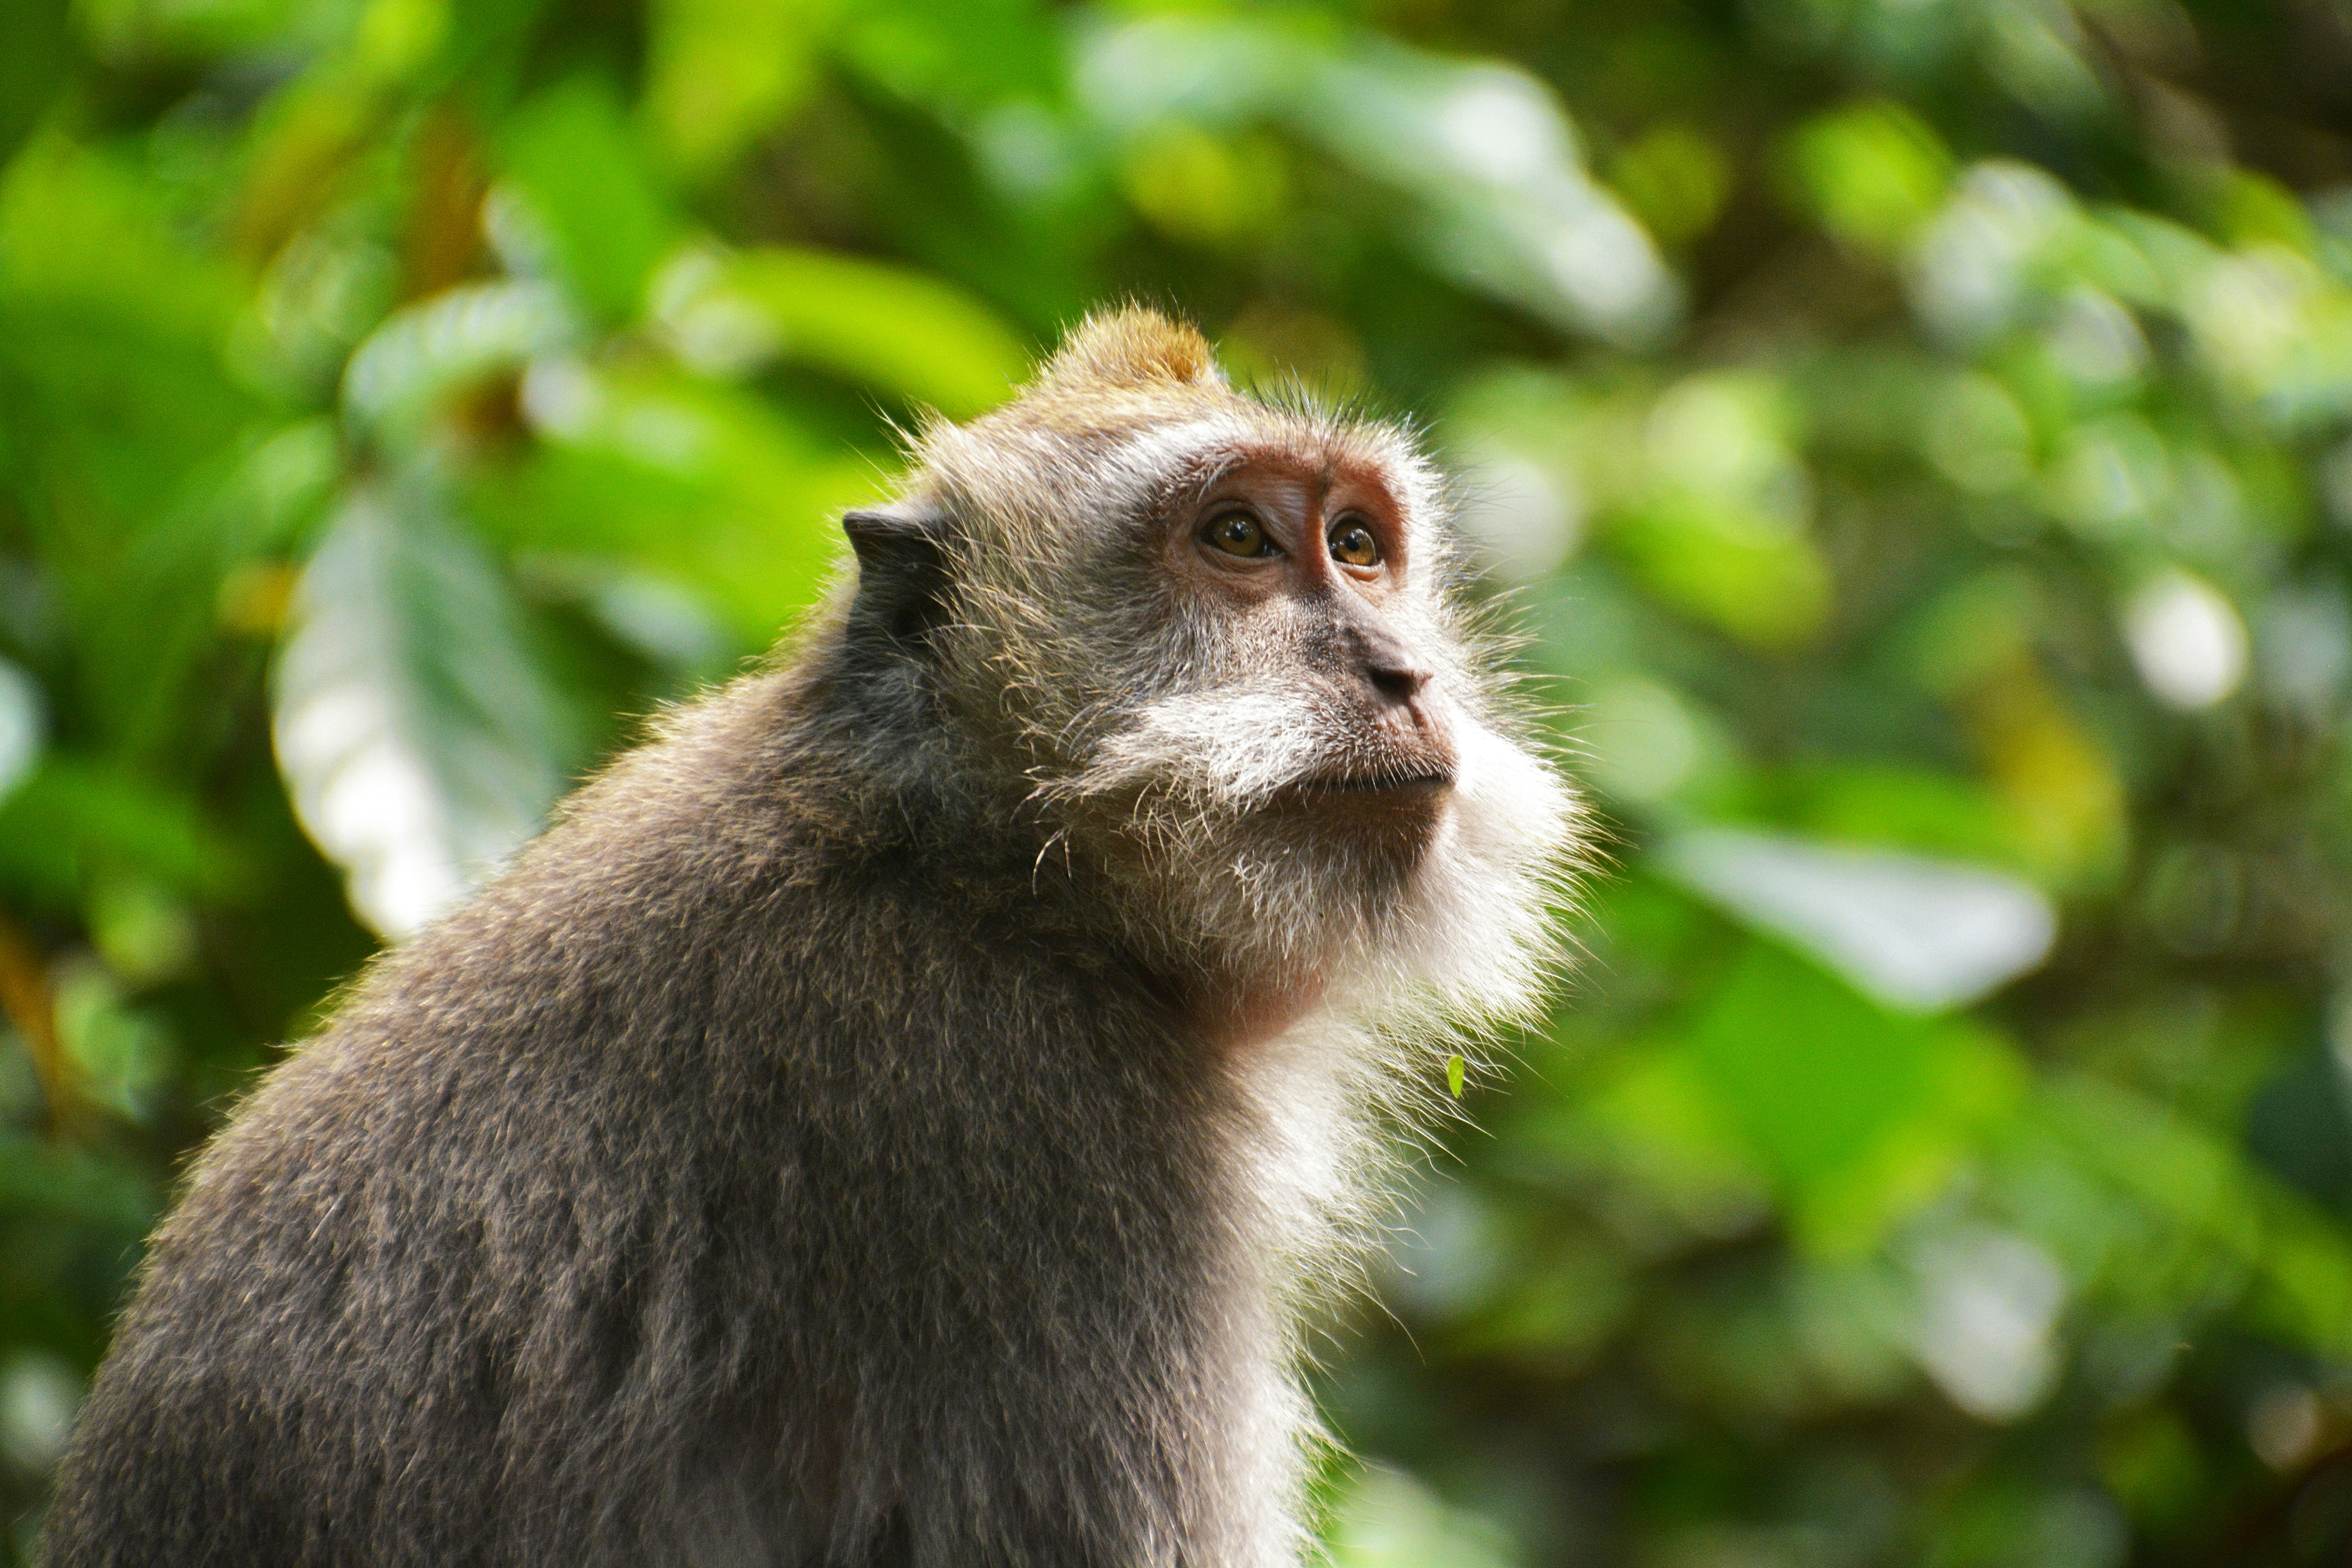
(1459,935)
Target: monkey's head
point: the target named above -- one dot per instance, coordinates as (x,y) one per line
(1213,648)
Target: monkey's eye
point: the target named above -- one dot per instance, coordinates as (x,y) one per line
(1238,533)
(1352,544)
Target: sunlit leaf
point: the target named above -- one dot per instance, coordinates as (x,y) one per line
(114,1052)
(453,341)
(1675,180)
(1945,816)
(1990,1301)
(1219,191)
(146,933)
(1917,934)
(696,478)
(1501,198)
(415,734)
(22,723)
(1660,1121)
(1976,265)
(1726,564)
(958,59)
(1387,1519)
(306,143)
(1509,209)
(1516,438)
(886,326)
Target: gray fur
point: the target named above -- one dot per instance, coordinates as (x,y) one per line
(815,1149)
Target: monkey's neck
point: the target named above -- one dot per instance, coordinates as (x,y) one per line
(1233,1010)
(983,833)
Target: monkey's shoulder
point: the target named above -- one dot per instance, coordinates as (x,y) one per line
(697,979)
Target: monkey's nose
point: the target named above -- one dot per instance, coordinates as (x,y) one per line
(1396,679)
(1386,661)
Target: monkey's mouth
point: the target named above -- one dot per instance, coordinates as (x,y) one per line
(1418,782)
(1409,770)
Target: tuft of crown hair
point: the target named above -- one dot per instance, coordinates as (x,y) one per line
(1132,347)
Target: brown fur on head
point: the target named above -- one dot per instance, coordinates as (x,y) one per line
(1285,767)
(1130,348)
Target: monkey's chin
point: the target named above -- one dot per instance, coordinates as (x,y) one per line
(1403,808)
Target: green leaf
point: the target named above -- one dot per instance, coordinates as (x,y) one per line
(724,71)
(119,423)
(77,226)
(699,481)
(1809,1069)
(1916,809)
(166,29)
(1511,211)
(36,59)
(76,1184)
(1872,174)
(72,816)
(957,59)
(2228,1210)
(1456,1068)
(416,737)
(1675,180)
(1562,1310)
(889,327)
(580,164)
(150,614)
(1660,1121)
(1497,195)
(1729,564)
(1861,1111)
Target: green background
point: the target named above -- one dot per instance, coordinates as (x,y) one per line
(1913,432)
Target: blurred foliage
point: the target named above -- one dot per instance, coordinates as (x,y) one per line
(1918,434)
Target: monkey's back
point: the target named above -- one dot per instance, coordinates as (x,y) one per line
(713,1188)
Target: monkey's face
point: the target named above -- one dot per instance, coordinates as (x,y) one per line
(1244,693)
(1308,568)
(1210,648)
(1292,579)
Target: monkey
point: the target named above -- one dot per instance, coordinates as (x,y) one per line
(905,1112)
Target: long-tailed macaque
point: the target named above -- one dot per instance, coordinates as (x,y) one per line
(899,1114)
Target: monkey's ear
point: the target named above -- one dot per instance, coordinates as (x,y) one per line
(902,572)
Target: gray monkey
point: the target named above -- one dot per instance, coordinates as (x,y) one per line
(899,1114)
